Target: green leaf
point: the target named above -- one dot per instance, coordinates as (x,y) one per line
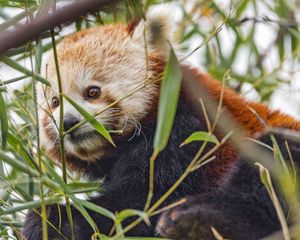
(278,156)
(15,19)
(294,42)
(267,182)
(135,9)
(4,121)
(18,147)
(77,203)
(265,177)
(15,65)
(169,94)
(5,195)
(200,136)
(31,205)
(20,166)
(144,238)
(96,208)
(281,48)
(84,187)
(96,124)
(10,223)
(131,213)
(241,8)
(17,164)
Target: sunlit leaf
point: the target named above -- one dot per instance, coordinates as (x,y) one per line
(200,136)
(168,98)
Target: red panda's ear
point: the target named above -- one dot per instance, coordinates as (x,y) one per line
(157,27)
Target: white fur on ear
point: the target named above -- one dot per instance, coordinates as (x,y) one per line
(158,25)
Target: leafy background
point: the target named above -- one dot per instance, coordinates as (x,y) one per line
(255,41)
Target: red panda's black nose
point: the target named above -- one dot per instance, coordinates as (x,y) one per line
(70,122)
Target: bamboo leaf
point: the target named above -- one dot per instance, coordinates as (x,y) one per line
(135,10)
(96,208)
(12,21)
(264,177)
(4,121)
(84,213)
(14,80)
(30,205)
(17,164)
(13,64)
(84,187)
(20,166)
(169,95)
(200,136)
(242,8)
(278,156)
(77,202)
(5,195)
(10,223)
(144,238)
(18,147)
(96,124)
(130,213)
(267,182)
(281,49)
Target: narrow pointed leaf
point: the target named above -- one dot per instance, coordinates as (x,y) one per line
(30,205)
(96,208)
(267,182)
(96,124)
(132,212)
(200,136)
(169,94)
(4,121)
(15,65)
(18,147)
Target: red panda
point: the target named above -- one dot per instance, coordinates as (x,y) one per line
(101,65)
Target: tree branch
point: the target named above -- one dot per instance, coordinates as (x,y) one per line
(23,33)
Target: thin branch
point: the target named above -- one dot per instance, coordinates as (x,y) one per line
(285,23)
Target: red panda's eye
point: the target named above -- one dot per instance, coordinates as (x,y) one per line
(93,92)
(54,102)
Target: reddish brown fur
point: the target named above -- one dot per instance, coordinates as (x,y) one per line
(238,107)
(249,121)
(51,135)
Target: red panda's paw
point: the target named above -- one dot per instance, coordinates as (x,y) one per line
(189,221)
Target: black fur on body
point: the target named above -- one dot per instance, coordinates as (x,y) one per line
(239,208)
(126,182)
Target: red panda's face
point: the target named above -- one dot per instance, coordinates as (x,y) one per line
(97,67)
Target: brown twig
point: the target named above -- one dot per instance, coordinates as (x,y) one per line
(29,31)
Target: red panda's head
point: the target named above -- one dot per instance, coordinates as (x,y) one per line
(97,67)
